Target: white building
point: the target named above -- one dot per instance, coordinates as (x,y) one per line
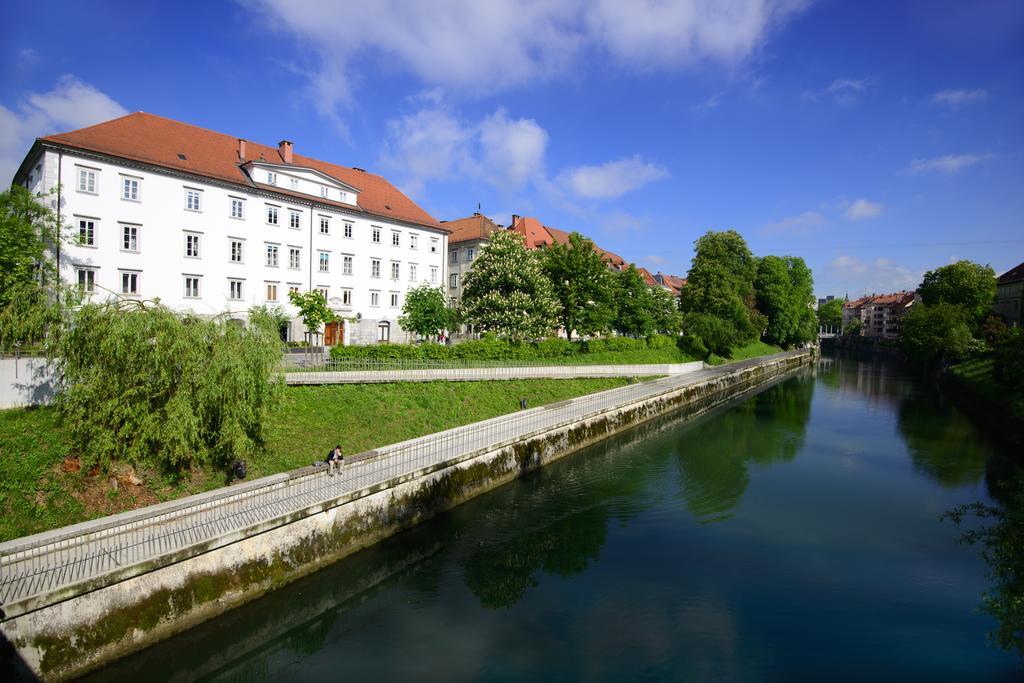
(210,223)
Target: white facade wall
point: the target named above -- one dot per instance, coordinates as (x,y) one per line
(163,221)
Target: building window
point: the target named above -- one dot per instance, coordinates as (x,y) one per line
(272,250)
(346,265)
(395,238)
(348,230)
(235,290)
(237,251)
(453,256)
(375,267)
(295,183)
(395,270)
(433,275)
(293,289)
(394,299)
(453,281)
(346,297)
(86,280)
(271,178)
(375,298)
(271,291)
(343,196)
(414,241)
(412,272)
(323,191)
(325,262)
(86,181)
(434,243)
(384,332)
(191,286)
(294,258)
(237,208)
(375,235)
(129,282)
(323,292)
(271,215)
(87,232)
(294,218)
(130,237)
(469,254)
(193,200)
(130,189)
(325,225)
(191,245)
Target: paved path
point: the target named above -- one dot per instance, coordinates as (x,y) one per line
(48,567)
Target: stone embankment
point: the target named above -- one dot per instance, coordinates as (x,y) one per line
(74,599)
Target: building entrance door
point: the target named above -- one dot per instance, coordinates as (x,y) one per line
(334,334)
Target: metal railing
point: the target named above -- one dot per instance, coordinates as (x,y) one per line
(51,566)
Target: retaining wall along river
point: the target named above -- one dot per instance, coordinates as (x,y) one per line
(62,618)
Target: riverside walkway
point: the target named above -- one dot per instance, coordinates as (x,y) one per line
(47,568)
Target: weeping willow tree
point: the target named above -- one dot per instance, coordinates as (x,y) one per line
(145,385)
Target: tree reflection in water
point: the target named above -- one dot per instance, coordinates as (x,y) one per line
(943,443)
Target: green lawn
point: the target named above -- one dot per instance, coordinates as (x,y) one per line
(37,494)
(751,350)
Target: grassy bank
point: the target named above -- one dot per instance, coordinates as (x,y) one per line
(40,487)
(977,391)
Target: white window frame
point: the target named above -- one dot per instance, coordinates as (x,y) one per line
(453,256)
(271,288)
(384,331)
(273,256)
(86,279)
(295,184)
(346,297)
(374,299)
(324,261)
(239,203)
(470,254)
(346,264)
(323,191)
(130,275)
(393,299)
(193,243)
(294,219)
(375,268)
(273,212)
(396,270)
(131,188)
(233,284)
(91,178)
(453,281)
(129,234)
(433,275)
(374,234)
(271,178)
(413,268)
(232,241)
(325,225)
(93,225)
(198,281)
(193,200)
(295,258)
(396,238)
(414,241)
(435,244)
(349,228)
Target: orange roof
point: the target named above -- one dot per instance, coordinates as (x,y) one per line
(895,299)
(648,278)
(163,142)
(673,282)
(475,227)
(536,234)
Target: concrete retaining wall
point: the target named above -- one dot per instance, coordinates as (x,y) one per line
(26,381)
(66,639)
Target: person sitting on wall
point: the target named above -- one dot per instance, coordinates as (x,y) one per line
(335,459)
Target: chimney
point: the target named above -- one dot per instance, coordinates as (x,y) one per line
(515,219)
(241,149)
(285,148)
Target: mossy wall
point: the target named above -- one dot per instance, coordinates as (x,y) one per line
(85,632)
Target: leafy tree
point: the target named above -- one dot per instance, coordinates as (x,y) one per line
(966,284)
(937,332)
(507,291)
(721,284)
(643,310)
(313,309)
(143,384)
(425,311)
(665,311)
(582,284)
(32,296)
(716,335)
(785,289)
(830,314)
(1008,365)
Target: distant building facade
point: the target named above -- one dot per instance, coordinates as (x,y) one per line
(1009,291)
(468,236)
(880,315)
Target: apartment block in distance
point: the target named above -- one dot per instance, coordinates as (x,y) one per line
(213,224)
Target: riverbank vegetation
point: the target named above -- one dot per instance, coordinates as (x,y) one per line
(45,481)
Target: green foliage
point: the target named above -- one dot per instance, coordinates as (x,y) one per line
(507,291)
(643,310)
(425,311)
(1001,538)
(1009,361)
(144,385)
(966,284)
(582,285)
(313,309)
(785,289)
(32,297)
(933,333)
(715,334)
(721,284)
(830,313)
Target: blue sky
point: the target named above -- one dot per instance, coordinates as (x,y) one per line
(875,139)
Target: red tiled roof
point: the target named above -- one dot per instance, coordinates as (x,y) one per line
(648,278)
(1013,275)
(894,299)
(159,141)
(475,227)
(536,234)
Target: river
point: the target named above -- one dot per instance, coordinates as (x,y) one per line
(794,535)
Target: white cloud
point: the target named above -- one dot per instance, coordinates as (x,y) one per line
(481,47)
(862,209)
(958,98)
(708,104)
(71,104)
(879,276)
(949,163)
(655,260)
(432,144)
(620,221)
(841,90)
(611,179)
(796,224)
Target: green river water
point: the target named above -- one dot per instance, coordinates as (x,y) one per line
(793,535)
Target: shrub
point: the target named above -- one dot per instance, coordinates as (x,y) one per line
(715,334)
(659,342)
(1009,362)
(556,348)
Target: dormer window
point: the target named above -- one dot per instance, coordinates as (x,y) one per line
(344,196)
(323,191)
(271,178)
(295,184)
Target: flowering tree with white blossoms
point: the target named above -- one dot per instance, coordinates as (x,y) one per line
(507,291)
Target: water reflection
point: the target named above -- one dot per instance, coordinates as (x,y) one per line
(942,442)
(713,458)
